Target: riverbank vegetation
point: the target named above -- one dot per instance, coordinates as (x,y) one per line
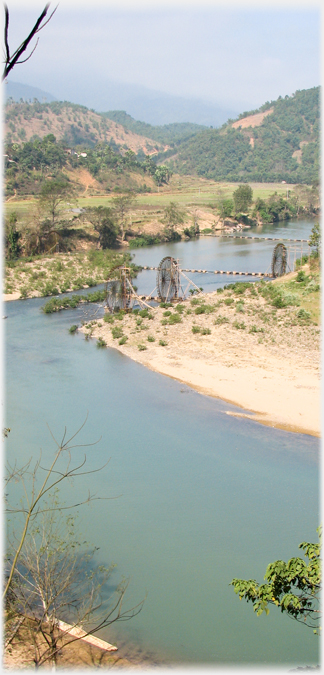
(59,220)
(249,343)
(41,276)
(267,312)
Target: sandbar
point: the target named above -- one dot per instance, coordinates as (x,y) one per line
(270,369)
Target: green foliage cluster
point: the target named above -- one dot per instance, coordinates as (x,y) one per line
(242,198)
(28,164)
(239,287)
(315,240)
(117,332)
(174,318)
(294,586)
(193,231)
(204,308)
(225,208)
(279,295)
(144,240)
(202,331)
(292,293)
(57,304)
(173,216)
(227,153)
(145,314)
(239,325)
(106,157)
(170,319)
(274,208)
(59,275)
(220,320)
(12,236)
(104,222)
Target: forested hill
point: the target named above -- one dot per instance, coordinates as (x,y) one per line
(280,141)
(166,134)
(77,125)
(73,125)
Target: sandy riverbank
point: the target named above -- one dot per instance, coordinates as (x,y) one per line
(271,372)
(80,655)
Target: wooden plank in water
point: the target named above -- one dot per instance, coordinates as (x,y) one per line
(82,635)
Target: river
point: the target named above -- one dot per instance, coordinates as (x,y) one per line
(201,497)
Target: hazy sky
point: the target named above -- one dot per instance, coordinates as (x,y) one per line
(232,54)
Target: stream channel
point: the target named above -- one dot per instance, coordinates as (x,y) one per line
(199,497)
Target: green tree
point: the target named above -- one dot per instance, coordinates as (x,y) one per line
(293,586)
(104,222)
(13,248)
(53,197)
(121,207)
(162,174)
(46,223)
(315,240)
(173,216)
(225,208)
(242,198)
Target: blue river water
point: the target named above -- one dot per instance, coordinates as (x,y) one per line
(199,497)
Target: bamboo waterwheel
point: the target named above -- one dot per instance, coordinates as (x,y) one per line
(168,279)
(279,260)
(119,289)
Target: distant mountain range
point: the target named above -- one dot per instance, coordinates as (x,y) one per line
(277,142)
(17,91)
(146,105)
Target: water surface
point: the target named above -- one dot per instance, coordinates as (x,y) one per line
(221,253)
(202,497)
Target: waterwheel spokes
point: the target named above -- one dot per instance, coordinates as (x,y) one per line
(279,261)
(167,279)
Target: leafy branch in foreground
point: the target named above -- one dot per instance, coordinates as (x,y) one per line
(294,586)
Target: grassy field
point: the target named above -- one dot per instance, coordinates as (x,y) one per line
(186,191)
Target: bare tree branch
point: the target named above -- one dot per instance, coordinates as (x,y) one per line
(49,483)
(12,60)
(58,581)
